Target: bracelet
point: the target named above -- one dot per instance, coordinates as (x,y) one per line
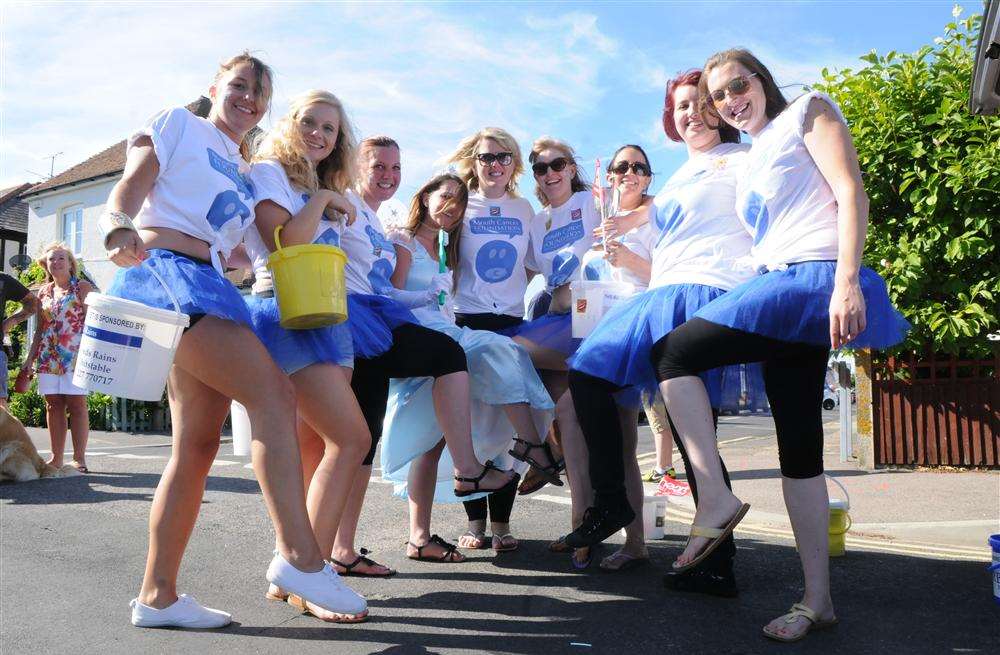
(112,220)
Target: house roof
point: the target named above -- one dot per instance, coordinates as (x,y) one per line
(13,210)
(110,161)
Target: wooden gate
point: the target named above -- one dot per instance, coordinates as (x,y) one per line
(936,411)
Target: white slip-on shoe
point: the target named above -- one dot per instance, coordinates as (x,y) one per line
(185,612)
(323,588)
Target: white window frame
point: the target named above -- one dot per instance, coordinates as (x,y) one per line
(75,239)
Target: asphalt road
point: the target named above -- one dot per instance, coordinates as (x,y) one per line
(72,553)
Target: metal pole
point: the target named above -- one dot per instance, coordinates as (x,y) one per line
(844,392)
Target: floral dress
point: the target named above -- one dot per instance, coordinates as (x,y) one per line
(61,324)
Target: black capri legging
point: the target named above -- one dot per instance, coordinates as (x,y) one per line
(793,378)
(416,352)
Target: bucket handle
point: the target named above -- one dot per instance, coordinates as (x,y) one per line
(170,294)
(277,241)
(834,480)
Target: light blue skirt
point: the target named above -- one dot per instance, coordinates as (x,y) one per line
(293,350)
(500,373)
(794,305)
(199,288)
(371,320)
(619,349)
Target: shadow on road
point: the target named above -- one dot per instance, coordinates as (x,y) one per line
(96,487)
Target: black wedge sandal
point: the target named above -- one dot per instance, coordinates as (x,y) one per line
(461,493)
(551,471)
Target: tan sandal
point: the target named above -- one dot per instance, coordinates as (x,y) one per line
(717,535)
(300,604)
(274,592)
(799,611)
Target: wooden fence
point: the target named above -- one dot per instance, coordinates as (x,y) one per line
(936,411)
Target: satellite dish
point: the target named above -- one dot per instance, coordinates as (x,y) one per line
(21,261)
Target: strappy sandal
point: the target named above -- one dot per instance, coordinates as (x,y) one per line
(461,493)
(716,535)
(799,610)
(361,559)
(550,471)
(450,550)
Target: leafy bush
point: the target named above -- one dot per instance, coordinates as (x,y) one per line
(28,407)
(931,172)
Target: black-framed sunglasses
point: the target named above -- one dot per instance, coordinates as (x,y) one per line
(637,167)
(559,164)
(502,158)
(737,86)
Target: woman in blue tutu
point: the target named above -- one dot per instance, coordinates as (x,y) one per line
(300,172)
(698,240)
(187,182)
(403,349)
(508,398)
(803,202)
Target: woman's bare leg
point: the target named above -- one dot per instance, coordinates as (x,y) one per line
(79,426)
(635,542)
(55,418)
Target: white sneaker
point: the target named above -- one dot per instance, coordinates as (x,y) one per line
(323,588)
(185,612)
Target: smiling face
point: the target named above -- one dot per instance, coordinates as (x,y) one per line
(441,206)
(380,172)
(57,262)
(555,185)
(630,185)
(237,102)
(691,123)
(493,177)
(746,112)
(319,127)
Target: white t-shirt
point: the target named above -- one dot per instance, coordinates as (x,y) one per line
(203,188)
(495,241)
(371,257)
(699,239)
(640,241)
(783,199)
(560,237)
(272,184)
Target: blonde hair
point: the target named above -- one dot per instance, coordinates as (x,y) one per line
(284,144)
(43,256)
(551,143)
(465,154)
(263,77)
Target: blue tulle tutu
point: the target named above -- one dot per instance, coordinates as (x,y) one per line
(371,319)
(199,288)
(794,305)
(293,350)
(553,331)
(618,350)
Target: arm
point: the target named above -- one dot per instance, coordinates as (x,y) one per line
(617,225)
(124,247)
(29,306)
(300,228)
(829,143)
(403,261)
(620,256)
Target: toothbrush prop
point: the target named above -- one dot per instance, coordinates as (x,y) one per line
(442,266)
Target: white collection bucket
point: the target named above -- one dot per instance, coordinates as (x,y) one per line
(591,301)
(241,429)
(127,348)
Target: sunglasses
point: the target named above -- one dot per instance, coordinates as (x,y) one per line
(737,86)
(502,158)
(539,168)
(637,167)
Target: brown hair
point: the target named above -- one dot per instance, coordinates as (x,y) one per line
(419,214)
(263,78)
(546,143)
(727,132)
(774,101)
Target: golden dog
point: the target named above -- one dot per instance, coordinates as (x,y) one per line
(19,459)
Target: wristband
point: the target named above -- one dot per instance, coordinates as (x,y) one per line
(112,220)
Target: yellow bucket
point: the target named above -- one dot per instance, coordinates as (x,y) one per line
(840,522)
(309,284)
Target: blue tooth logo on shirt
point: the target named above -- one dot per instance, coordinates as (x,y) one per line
(378,241)
(754,212)
(509,227)
(667,218)
(562,236)
(495,261)
(232,171)
(227,206)
(329,237)
(563,266)
(379,276)
(597,269)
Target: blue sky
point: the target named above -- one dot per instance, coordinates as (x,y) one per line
(76,78)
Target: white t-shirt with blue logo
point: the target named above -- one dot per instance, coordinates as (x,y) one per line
(784,200)
(272,184)
(203,188)
(371,257)
(640,241)
(699,239)
(561,236)
(495,241)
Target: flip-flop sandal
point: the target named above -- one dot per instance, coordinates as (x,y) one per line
(498,543)
(548,471)
(716,535)
(450,550)
(301,605)
(480,537)
(361,559)
(627,562)
(82,468)
(800,610)
(585,564)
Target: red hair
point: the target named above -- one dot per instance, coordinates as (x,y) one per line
(691,77)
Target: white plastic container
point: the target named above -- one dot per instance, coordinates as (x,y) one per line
(591,301)
(241,429)
(654,510)
(127,348)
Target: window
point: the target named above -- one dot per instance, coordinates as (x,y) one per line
(72,228)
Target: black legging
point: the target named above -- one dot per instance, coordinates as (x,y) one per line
(416,352)
(793,378)
(500,503)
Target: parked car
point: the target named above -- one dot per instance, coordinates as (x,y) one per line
(985,95)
